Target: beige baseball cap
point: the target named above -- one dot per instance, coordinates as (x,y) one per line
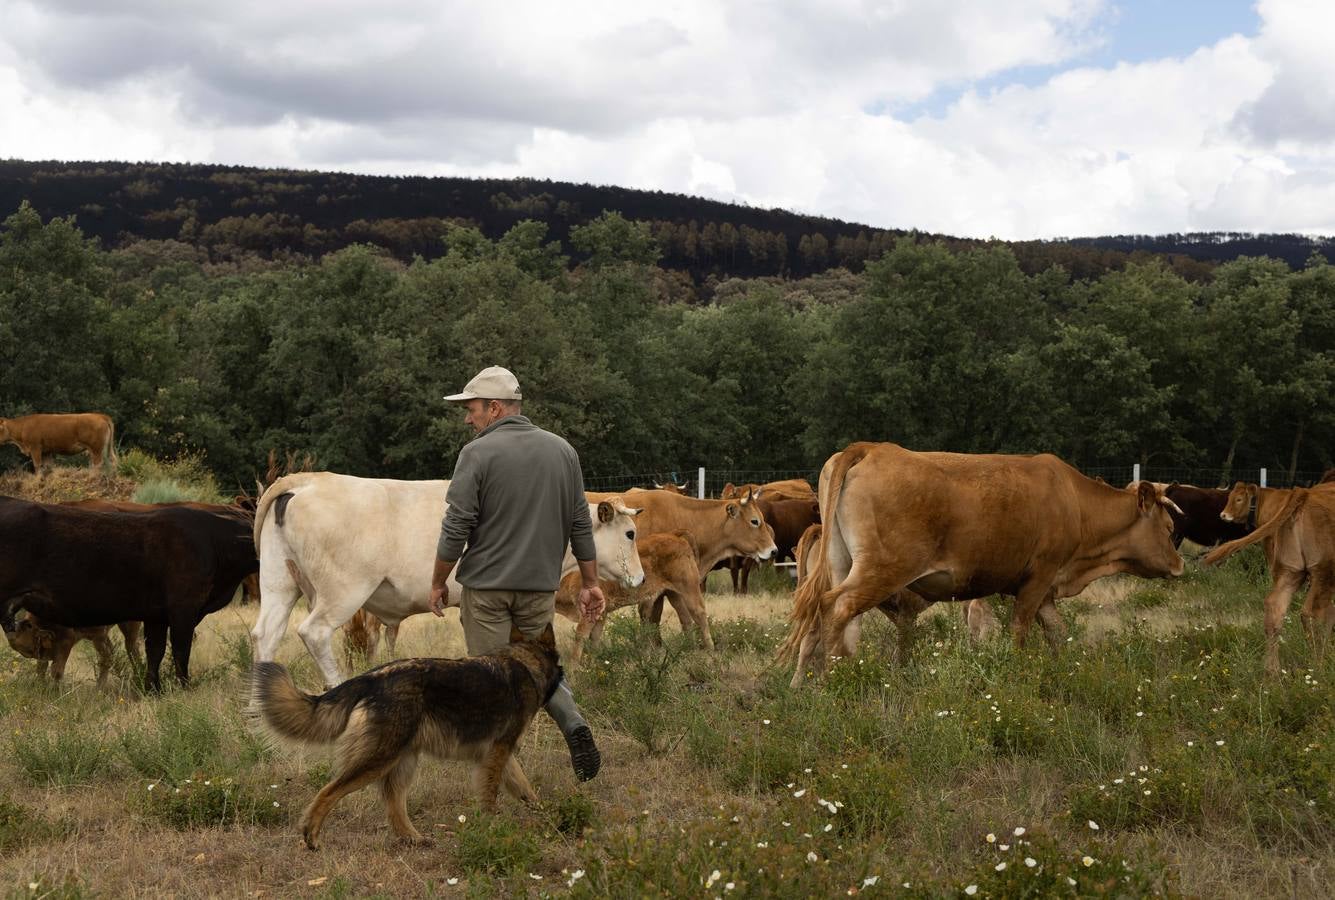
(492,383)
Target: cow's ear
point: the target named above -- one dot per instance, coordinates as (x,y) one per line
(733,511)
(606,511)
(1146,497)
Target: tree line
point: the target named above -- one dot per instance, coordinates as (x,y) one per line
(936,347)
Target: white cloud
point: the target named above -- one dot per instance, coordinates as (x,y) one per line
(759,101)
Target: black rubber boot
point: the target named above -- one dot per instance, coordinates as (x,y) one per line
(584,755)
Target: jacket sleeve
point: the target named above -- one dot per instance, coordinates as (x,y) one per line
(461,506)
(581,525)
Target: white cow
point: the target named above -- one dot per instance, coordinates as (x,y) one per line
(348,543)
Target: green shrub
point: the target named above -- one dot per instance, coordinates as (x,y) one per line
(68,757)
(179,741)
(1034,865)
(1172,791)
(205,802)
(497,845)
(574,815)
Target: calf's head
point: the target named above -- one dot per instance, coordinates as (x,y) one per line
(1241,504)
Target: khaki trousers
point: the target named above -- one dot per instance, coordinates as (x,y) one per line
(488,615)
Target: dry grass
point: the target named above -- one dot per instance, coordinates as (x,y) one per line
(112,847)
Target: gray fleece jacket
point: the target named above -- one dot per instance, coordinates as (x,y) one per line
(516,499)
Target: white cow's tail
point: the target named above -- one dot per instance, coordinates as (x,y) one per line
(278,495)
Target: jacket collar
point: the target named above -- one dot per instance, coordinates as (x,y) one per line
(515,420)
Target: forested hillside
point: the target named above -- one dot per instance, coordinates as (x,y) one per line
(237,214)
(347,356)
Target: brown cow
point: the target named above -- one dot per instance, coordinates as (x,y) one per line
(721,528)
(670,571)
(788,489)
(1298,529)
(61,434)
(362,634)
(954,526)
(50,644)
(789,519)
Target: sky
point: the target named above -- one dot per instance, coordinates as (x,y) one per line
(977,118)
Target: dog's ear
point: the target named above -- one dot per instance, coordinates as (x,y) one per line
(516,636)
(548,637)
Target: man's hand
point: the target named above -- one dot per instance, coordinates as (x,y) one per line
(440,597)
(591,603)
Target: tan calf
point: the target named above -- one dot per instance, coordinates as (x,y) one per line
(1297,527)
(50,644)
(670,572)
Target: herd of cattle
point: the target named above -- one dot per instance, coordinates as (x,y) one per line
(891,529)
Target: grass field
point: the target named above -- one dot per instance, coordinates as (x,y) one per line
(1149,755)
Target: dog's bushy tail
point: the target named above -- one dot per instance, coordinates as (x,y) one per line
(292,713)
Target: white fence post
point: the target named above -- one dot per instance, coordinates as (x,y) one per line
(700,483)
(1263,477)
(1135,471)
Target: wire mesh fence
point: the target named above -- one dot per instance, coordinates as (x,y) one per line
(688,477)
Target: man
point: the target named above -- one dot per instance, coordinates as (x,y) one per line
(516,499)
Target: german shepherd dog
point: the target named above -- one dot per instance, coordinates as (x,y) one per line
(381,721)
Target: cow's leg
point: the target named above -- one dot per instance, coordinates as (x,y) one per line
(392,637)
(1317,610)
(582,629)
(1286,583)
(155,647)
(979,619)
(1054,628)
(334,605)
(651,614)
(102,644)
(807,655)
(60,655)
(182,638)
(852,598)
(748,566)
(278,595)
(36,460)
(1030,598)
(735,564)
(694,606)
(903,611)
(43,667)
(131,632)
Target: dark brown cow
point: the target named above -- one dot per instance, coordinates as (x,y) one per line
(79,568)
(50,644)
(243,505)
(1197,516)
(953,526)
(789,519)
(45,434)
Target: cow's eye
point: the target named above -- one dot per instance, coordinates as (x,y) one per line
(630,535)
(755,523)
